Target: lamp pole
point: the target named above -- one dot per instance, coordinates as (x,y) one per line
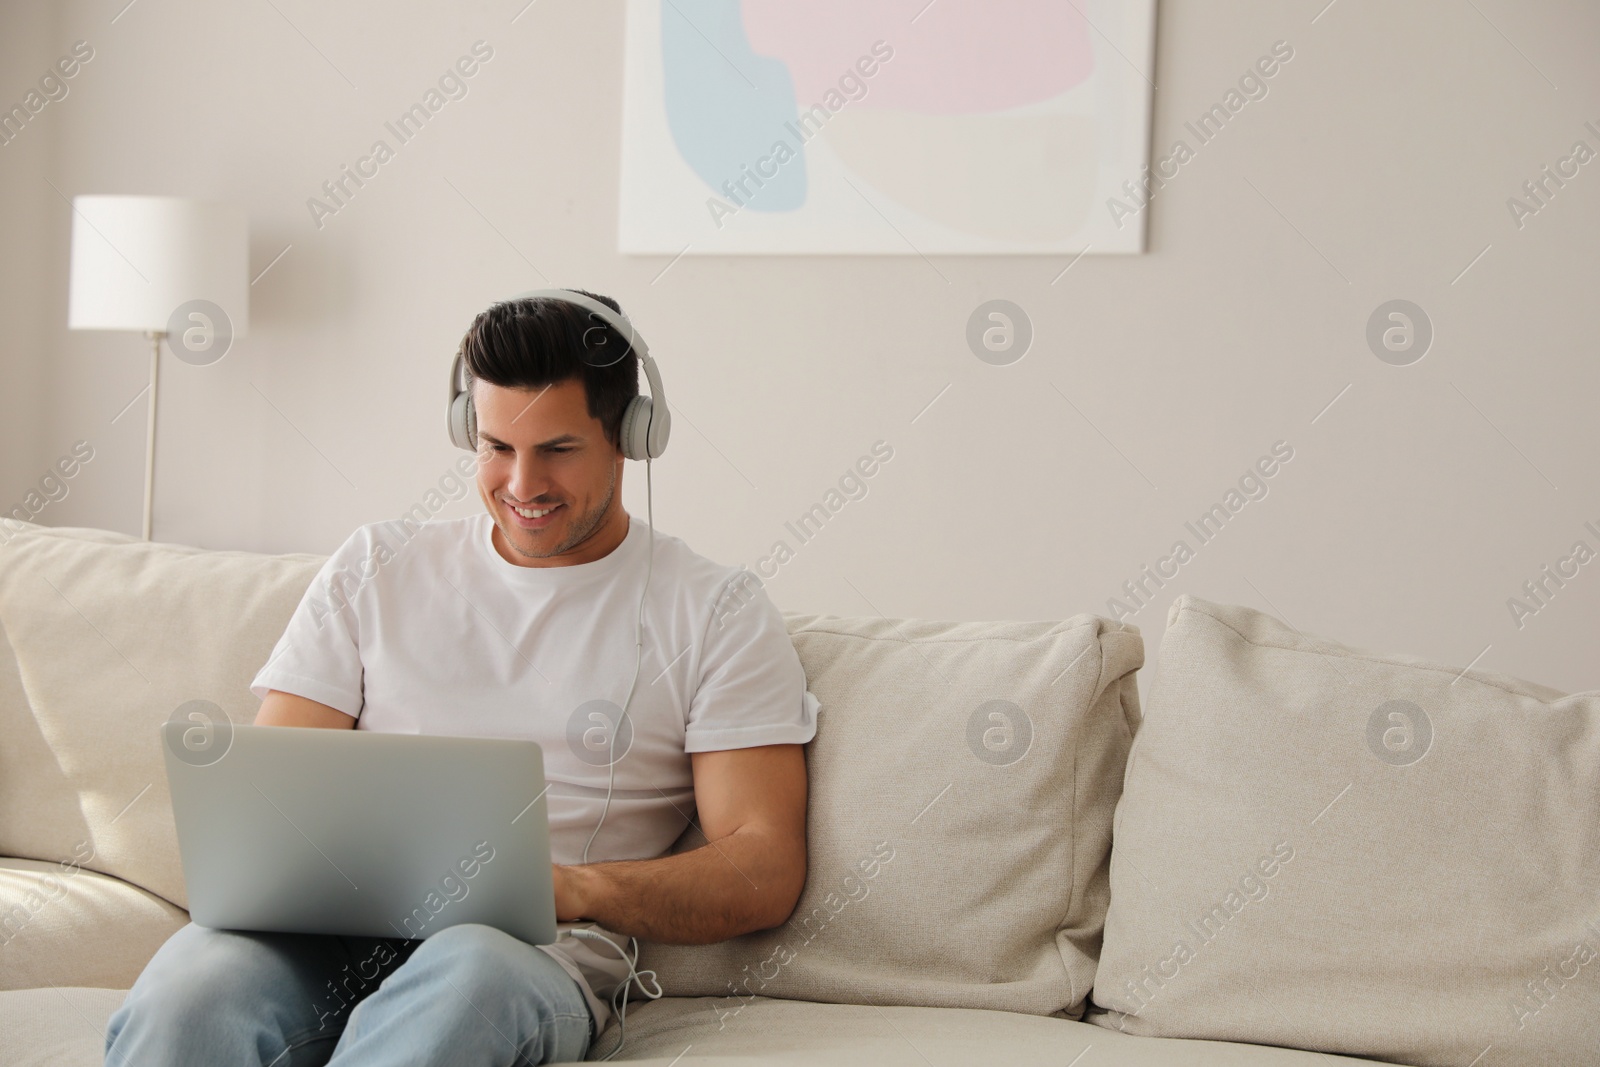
(155,337)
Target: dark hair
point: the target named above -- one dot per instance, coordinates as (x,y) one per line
(540,341)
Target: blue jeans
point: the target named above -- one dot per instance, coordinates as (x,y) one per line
(470,994)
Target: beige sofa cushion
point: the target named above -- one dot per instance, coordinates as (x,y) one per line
(768,1031)
(64,1028)
(102,637)
(61,1027)
(1336,849)
(63,925)
(962,782)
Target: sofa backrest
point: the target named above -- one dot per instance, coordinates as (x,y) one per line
(962,781)
(104,636)
(1355,852)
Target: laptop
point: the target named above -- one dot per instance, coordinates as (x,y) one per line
(308,830)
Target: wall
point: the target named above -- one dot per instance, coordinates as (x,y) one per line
(27,229)
(1377,167)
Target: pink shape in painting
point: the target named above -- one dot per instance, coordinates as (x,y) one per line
(958,57)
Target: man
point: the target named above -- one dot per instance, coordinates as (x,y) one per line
(521,623)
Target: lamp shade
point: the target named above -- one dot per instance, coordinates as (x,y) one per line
(137,259)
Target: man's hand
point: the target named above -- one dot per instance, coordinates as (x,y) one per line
(752,806)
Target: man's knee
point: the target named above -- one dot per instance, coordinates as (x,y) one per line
(199,974)
(471,972)
(474,957)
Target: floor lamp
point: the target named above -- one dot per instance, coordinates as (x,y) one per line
(166,266)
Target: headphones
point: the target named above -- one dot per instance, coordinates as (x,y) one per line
(646,425)
(644,436)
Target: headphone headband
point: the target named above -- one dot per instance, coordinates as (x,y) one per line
(621,323)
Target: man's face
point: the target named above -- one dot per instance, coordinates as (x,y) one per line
(540,448)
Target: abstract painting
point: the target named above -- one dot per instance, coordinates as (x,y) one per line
(884,126)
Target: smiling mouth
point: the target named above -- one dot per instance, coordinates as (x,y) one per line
(532,519)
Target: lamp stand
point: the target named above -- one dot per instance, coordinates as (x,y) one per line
(155,337)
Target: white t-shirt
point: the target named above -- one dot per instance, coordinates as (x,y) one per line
(425,629)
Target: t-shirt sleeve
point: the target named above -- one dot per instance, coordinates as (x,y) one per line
(319,655)
(752,689)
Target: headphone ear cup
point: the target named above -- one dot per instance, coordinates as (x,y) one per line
(635,428)
(463,422)
(463,418)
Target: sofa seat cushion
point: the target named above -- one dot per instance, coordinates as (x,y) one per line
(61,1027)
(65,925)
(769,1031)
(66,1028)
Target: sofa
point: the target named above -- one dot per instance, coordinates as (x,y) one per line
(1296,851)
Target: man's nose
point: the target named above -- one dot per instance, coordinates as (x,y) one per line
(528,480)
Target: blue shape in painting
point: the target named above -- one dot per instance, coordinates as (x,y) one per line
(720,124)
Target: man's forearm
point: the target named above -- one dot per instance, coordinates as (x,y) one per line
(743,882)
